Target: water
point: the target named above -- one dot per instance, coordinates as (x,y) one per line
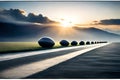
(103,62)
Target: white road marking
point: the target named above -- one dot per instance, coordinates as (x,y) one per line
(32,68)
(25,54)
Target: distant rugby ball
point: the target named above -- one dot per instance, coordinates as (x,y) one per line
(64,42)
(74,43)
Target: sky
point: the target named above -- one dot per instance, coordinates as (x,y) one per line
(75,12)
(78,12)
(59,20)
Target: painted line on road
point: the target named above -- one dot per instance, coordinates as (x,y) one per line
(32,68)
(25,54)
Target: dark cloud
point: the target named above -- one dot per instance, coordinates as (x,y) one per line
(15,14)
(18,15)
(38,18)
(110,22)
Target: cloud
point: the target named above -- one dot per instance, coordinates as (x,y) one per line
(38,18)
(14,14)
(110,22)
(18,15)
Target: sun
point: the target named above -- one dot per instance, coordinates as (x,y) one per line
(66,23)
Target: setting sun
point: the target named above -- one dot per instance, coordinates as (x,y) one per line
(66,23)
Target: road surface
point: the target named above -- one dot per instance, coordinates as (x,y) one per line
(100,63)
(57,63)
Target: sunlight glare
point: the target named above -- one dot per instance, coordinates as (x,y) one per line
(66,23)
